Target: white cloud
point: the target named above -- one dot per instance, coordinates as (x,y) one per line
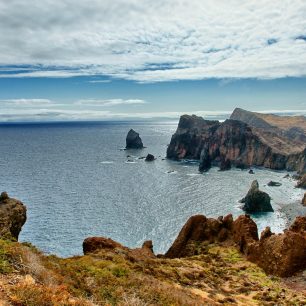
(25,103)
(110,102)
(149,41)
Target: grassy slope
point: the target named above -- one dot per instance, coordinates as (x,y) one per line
(220,276)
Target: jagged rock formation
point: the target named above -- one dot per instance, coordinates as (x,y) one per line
(282,254)
(95,244)
(12,216)
(237,143)
(133,141)
(304,199)
(256,200)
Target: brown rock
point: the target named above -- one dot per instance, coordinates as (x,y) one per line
(93,244)
(198,228)
(281,255)
(266,233)
(13,215)
(302,182)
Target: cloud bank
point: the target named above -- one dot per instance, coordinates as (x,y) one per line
(150,41)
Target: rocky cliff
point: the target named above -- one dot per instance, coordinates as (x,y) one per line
(12,216)
(236,143)
(282,254)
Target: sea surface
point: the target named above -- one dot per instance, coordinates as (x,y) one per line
(76,182)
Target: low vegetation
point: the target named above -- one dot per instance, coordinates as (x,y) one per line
(219,276)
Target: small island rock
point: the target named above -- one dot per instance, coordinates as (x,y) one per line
(133,140)
(274,184)
(256,200)
(150,157)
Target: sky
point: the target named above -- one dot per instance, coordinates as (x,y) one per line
(127,59)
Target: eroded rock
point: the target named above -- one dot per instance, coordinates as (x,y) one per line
(13,215)
(256,200)
(133,140)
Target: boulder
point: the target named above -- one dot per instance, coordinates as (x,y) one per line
(274,184)
(133,141)
(256,200)
(93,244)
(13,215)
(251,171)
(150,157)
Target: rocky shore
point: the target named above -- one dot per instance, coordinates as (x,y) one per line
(212,262)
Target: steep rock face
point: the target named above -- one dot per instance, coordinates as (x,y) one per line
(12,216)
(199,228)
(133,141)
(237,143)
(302,182)
(256,200)
(282,254)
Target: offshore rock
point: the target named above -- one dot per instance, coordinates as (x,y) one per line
(133,141)
(242,142)
(304,199)
(256,200)
(13,215)
(274,184)
(149,158)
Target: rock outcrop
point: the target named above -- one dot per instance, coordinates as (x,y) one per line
(149,158)
(237,143)
(199,228)
(12,216)
(97,244)
(256,200)
(133,140)
(282,254)
(278,254)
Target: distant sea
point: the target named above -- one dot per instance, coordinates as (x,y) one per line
(76,182)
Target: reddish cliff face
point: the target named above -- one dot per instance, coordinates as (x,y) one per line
(234,143)
(278,254)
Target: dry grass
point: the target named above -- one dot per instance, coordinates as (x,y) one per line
(219,276)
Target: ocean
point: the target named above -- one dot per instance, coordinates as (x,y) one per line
(76,182)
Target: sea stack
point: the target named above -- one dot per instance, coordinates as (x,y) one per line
(133,140)
(256,200)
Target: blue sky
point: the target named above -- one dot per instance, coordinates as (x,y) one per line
(92,60)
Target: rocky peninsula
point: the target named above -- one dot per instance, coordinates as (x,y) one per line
(246,139)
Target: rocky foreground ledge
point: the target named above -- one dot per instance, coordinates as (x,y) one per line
(247,139)
(210,263)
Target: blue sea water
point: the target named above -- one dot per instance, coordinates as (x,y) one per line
(77,182)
